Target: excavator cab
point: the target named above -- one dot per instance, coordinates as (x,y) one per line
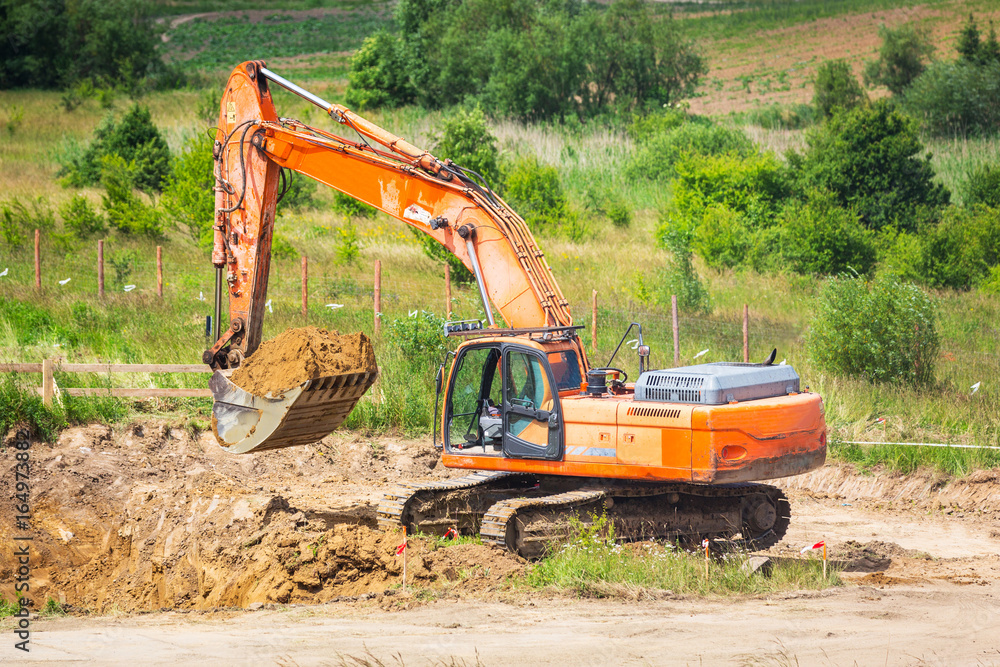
(503,400)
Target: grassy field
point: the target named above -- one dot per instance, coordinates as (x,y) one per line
(624,265)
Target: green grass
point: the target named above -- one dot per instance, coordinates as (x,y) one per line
(593,564)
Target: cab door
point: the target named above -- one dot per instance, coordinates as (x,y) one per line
(532,420)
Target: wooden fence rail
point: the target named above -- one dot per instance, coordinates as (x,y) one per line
(48,367)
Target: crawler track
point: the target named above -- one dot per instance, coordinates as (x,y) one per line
(526,513)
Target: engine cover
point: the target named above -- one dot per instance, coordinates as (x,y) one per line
(716,384)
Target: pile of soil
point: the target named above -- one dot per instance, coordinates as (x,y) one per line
(297,355)
(154,516)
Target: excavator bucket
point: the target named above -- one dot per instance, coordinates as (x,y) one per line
(244,422)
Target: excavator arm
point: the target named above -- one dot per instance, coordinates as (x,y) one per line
(436,197)
(253,151)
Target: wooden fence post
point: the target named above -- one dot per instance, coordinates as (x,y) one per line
(159,271)
(593,321)
(378,296)
(38,260)
(100,269)
(305,289)
(447,291)
(677,331)
(746,333)
(48,384)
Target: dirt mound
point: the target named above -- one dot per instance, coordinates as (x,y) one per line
(297,355)
(153,516)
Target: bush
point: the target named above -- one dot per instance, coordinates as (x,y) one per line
(135,139)
(680,278)
(836,88)
(821,238)
(467,142)
(299,194)
(753,186)
(187,195)
(881,330)
(281,247)
(535,192)
(643,128)
(81,218)
(958,98)
(957,252)
(348,244)
(982,186)
(378,74)
(127,212)
(19,221)
(901,58)
(869,157)
(722,238)
(781,116)
(656,159)
(350,207)
(609,203)
(420,338)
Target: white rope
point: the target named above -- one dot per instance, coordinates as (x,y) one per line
(914,444)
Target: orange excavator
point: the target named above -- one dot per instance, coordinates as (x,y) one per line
(679,453)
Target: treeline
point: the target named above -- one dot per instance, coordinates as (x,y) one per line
(526,59)
(59,43)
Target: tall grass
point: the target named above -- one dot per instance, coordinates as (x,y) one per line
(594,564)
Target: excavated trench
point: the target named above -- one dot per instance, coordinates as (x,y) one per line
(153,518)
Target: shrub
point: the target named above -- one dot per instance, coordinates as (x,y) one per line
(753,186)
(722,239)
(656,159)
(135,139)
(127,212)
(18,221)
(957,252)
(869,157)
(881,330)
(680,278)
(982,186)
(901,58)
(958,98)
(609,203)
(281,247)
(350,207)
(819,237)
(468,142)
(836,88)
(535,192)
(299,193)
(643,128)
(378,74)
(348,243)
(187,195)
(81,218)
(781,116)
(419,337)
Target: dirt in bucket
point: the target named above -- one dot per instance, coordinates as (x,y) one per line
(297,355)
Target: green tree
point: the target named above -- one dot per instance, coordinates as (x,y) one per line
(870,159)
(956,98)
(50,43)
(187,196)
(969,41)
(135,139)
(983,186)
(819,237)
(836,88)
(468,142)
(901,58)
(882,330)
(378,75)
(127,212)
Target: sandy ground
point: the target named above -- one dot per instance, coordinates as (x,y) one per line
(150,518)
